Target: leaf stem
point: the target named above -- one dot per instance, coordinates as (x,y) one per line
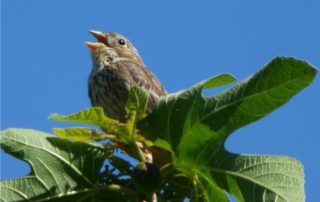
(138,152)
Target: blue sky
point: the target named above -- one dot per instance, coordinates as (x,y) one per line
(45,64)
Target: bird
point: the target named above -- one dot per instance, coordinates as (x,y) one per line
(116,67)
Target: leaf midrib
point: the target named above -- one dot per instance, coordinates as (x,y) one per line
(234,174)
(53,154)
(243,99)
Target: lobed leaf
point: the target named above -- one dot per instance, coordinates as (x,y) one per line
(60,169)
(195,129)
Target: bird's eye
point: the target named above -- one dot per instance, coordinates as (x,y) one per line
(121,42)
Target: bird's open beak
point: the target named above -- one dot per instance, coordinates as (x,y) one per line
(93,46)
(99,36)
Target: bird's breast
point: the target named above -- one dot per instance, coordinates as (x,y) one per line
(109,89)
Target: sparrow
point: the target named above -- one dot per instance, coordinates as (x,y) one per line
(117,66)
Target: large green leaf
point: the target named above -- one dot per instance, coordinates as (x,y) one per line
(60,170)
(195,129)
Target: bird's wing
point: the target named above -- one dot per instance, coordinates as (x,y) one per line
(145,79)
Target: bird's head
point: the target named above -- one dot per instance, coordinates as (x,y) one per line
(119,47)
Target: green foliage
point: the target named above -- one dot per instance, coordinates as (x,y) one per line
(60,169)
(195,127)
(185,134)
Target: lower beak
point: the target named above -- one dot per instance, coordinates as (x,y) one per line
(93,46)
(99,36)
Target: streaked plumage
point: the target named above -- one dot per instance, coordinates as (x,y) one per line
(116,66)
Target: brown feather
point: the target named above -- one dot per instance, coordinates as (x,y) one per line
(115,69)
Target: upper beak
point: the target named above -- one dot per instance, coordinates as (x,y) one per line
(99,36)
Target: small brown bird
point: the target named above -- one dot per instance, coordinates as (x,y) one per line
(116,67)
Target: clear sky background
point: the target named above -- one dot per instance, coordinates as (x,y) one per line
(45,64)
